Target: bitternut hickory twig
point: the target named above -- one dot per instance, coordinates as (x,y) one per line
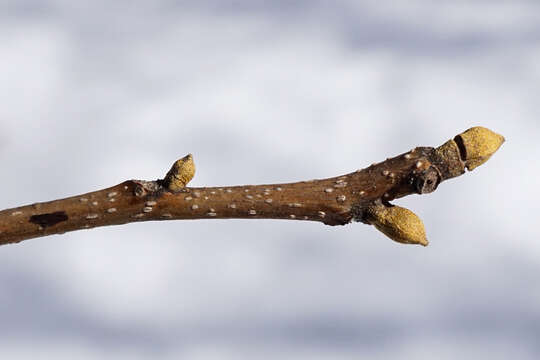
(363,195)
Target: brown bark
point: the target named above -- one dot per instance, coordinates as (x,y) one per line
(332,201)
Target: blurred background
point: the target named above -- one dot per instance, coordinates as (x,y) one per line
(94,93)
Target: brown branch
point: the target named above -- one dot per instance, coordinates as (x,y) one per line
(363,195)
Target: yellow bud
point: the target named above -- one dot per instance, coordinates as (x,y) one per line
(180,173)
(477,145)
(398,223)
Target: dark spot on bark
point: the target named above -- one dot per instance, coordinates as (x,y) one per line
(49,219)
(139,191)
(361,214)
(161,183)
(427,181)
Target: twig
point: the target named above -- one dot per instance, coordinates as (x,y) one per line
(363,195)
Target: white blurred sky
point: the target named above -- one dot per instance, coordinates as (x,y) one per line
(94,93)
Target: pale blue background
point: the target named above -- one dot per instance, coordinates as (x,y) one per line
(96,92)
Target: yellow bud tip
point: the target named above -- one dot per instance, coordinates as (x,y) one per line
(477,144)
(180,173)
(399,224)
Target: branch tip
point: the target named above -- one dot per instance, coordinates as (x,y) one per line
(477,144)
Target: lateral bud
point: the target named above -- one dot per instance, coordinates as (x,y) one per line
(398,223)
(180,173)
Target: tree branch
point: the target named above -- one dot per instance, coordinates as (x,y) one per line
(363,195)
